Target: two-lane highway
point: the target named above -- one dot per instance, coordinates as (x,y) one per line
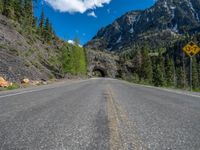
(99,114)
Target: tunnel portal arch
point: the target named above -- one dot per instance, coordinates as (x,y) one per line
(99,72)
(102,64)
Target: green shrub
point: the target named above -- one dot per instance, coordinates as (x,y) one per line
(73,60)
(12,87)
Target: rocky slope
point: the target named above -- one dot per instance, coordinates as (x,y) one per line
(157,26)
(25,57)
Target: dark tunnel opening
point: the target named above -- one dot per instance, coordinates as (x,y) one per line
(99,72)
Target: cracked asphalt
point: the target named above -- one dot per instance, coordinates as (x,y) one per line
(99,114)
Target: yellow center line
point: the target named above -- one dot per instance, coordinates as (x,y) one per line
(119,126)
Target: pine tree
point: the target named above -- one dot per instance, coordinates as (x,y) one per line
(158,74)
(42,22)
(18,9)
(28,19)
(47,30)
(137,62)
(8,9)
(35,22)
(158,79)
(169,71)
(198,68)
(1,6)
(184,70)
(28,8)
(195,81)
(146,68)
(180,76)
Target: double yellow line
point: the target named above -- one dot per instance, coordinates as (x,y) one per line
(123,135)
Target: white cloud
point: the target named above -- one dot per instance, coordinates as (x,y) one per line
(92,14)
(71,42)
(80,6)
(74,43)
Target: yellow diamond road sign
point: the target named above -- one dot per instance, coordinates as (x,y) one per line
(191,49)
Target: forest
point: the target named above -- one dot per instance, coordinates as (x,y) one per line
(164,67)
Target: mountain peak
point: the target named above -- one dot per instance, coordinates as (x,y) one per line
(166,20)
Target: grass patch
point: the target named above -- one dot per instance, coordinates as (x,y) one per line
(13,87)
(196,90)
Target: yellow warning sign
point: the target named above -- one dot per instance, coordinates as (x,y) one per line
(191,49)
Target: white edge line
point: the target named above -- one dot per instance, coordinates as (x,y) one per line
(20,93)
(31,91)
(162,89)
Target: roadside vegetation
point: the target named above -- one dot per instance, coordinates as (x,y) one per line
(11,87)
(55,54)
(74,60)
(165,67)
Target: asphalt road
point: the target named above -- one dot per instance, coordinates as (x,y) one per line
(99,114)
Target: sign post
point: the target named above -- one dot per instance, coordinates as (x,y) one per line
(191,49)
(191,74)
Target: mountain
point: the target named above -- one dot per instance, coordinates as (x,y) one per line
(157,26)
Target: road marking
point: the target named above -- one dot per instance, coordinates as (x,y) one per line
(123,135)
(171,91)
(115,139)
(163,89)
(181,93)
(20,93)
(37,90)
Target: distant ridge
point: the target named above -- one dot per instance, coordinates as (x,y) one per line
(157,26)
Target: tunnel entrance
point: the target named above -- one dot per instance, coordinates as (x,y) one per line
(99,72)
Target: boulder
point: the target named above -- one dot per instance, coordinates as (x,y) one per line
(35,82)
(26,81)
(3,82)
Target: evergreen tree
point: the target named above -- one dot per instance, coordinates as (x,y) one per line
(169,71)
(28,9)
(28,18)
(8,9)
(146,68)
(42,22)
(180,77)
(184,70)
(18,10)
(158,74)
(35,22)
(198,68)
(161,62)
(47,30)
(1,6)
(195,81)
(137,62)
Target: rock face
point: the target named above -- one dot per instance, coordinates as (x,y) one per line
(106,64)
(21,56)
(157,26)
(3,82)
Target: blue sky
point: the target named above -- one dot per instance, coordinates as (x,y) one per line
(85,20)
